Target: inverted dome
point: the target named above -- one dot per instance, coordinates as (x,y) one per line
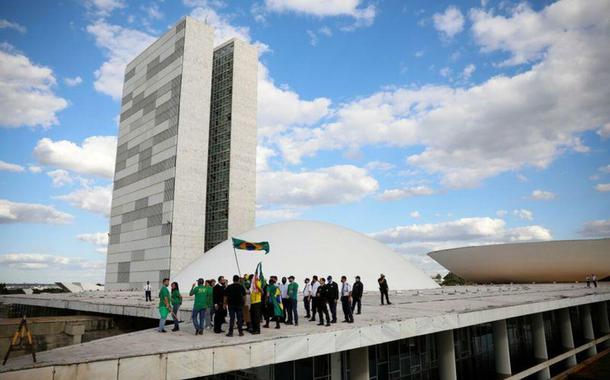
(305,248)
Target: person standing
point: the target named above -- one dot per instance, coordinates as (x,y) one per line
(234,299)
(285,300)
(148,291)
(321,300)
(212,284)
(333,298)
(200,291)
(256,296)
(594,279)
(176,298)
(307,298)
(346,300)
(588,281)
(219,309)
(383,288)
(246,308)
(274,303)
(293,295)
(164,304)
(315,284)
(209,305)
(357,291)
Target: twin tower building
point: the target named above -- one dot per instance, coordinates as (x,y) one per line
(185,175)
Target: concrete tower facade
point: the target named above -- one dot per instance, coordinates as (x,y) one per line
(158,216)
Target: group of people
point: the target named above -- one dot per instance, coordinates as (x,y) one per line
(591,278)
(277,301)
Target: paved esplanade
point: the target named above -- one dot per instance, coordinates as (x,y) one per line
(182,354)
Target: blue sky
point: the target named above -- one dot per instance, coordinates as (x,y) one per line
(428,125)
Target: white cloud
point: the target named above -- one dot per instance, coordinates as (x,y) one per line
(468,71)
(604,131)
(313,38)
(604,169)
(60,177)
(280,108)
(95,156)
(501,213)
(37,261)
(542,195)
(73,82)
(26,96)
(596,229)
(99,239)
(521,178)
(602,187)
(445,72)
(397,194)
(153,12)
(464,130)
(5,24)
(419,54)
(449,23)
(104,7)
(325,30)
(263,154)
(34,169)
(363,16)
(331,185)
(15,212)
(8,167)
(473,230)
(414,214)
(523,214)
(96,199)
(379,166)
(121,45)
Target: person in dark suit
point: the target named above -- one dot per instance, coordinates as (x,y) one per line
(357,291)
(321,300)
(332,298)
(218,296)
(383,288)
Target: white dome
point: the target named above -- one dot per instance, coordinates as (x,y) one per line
(303,249)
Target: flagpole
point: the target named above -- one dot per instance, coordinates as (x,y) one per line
(236,261)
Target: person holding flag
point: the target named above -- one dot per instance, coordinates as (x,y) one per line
(274,302)
(257,283)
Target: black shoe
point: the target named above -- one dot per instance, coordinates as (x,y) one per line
(296,324)
(312,320)
(358,313)
(229,334)
(321,324)
(308,316)
(389,303)
(175,329)
(266,326)
(289,323)
(277,327)
(163,331)
(255,332)
(241,333)
(344,321)
(327,324)
(333,321)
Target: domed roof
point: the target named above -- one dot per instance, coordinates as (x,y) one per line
(305,248)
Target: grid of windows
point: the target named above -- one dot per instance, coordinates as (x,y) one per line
(474,352)
(217,199)
(411,359)
(520,342)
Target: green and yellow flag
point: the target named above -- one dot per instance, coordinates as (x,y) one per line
(248,246)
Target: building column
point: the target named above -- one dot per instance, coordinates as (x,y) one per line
(359,363)
(539,339)
(567,339)
(587,328)
(603,317)
(335,366)
(446,355)
(501,350)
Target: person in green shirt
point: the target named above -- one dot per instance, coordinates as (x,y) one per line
(203,295)
(293,295)
(164,304)
(176,302)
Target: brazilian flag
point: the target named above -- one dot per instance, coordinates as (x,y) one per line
(248,246)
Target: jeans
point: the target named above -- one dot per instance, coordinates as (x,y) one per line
(333,309)
(293,311)
(236,312)
(198,318)
(347,309)
(208,317)
(161,321)
(175,309)
(307,305)
(357,301)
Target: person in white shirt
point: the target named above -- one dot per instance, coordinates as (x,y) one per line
(285,300)
(148,291)
(313,297)
(346,300)
(307,298)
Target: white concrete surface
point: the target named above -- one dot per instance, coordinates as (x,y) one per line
(551,261)
(306,248)
(183,354)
